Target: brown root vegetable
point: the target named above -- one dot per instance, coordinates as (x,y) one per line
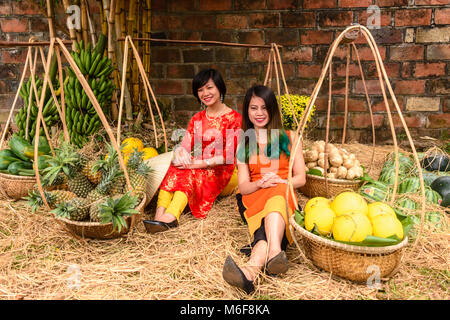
(311,165)
(321,163)
(351,174)
(341,172)
(336,160)
(333,170)
(348,163)
(331,175)
(311,156)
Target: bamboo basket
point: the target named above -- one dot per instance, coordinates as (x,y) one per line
(350,261)
(315,186)
(98,230)
(15,187)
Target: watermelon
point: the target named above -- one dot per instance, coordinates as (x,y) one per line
(433,196)
(441,185)
(409,185)
(387,176)
(374,193)
(446,200)
(428,178)
(406,204)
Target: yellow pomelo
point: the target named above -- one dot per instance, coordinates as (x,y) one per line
(149,152)
(130,144)
(377,208)
(385,225)
(352,227)
(322,217)
(349,201)
(232,184)
(317,202)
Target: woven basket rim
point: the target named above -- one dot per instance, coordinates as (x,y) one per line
(335,181)
(15,177)
(99,224)
(347,247)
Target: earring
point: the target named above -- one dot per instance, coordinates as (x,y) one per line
(202,105)
(221,98)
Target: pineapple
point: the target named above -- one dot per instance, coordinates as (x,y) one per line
(53,198)
(88,171)
(138,179)
(68,161)
(76,209)
(101,191)
(95,168)
(116,208)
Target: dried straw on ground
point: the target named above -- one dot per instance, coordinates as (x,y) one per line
(41,260)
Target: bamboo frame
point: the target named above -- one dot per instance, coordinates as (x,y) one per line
(382,75)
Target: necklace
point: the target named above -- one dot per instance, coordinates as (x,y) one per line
(216,116)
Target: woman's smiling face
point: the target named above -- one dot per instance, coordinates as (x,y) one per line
(209,94)
(257,113)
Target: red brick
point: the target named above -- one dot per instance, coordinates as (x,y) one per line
(298,20)
(339,70)
(354,3)
(316,37)
(165,22)
(249,5)
(215,35)
(198,55)
(231,21)
(365,54)
(321,103)
(281,4)
(411,121)
(383,36)
(438,52)
(354,105)
(258,54)
(309,71)
(442,16)
(180,71)
(409,87)
(168,87)
(373,87)
(439,120)
(5,8)
(392,70)
(430,2)
(14,25)
(181,35)
(180,5)
(251,37)
(439,86)
(263,20)
(24,7)
(284,37)
(385,17)
(227,54)
(418,17)
(429,69)
(214,5)
(336,121)
(335,18)
(407,70)
(339,55)
(446,106)
(14,56)
(379,106)
(363,120)
(158,5)
(203,22)
(164,54)
(319,4)
(407,52)
(297,54)
(391,3)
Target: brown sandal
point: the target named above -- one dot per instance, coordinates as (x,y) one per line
(234,276)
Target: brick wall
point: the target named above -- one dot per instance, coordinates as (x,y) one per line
(413,41)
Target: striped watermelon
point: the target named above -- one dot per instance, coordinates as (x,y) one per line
(432,196)
(428,177)
(374,193)
(406,205)
(387,176)
(409,185)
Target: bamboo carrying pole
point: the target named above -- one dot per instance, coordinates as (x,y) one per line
(382,75)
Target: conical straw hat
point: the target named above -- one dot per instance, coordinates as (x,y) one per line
(159,164)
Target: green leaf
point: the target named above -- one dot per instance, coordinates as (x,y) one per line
(315,172)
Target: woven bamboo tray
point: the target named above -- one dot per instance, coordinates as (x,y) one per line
(315,186)
(98,230)
(350,262)
(16,187)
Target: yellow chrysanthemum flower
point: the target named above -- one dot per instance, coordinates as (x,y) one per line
(299,104)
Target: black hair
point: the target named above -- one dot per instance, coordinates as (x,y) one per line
(202,78)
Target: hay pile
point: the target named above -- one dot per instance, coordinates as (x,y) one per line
(41,260)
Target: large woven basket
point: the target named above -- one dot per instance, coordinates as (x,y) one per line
(15,187)
(98,230)
(315,186)
(350,262)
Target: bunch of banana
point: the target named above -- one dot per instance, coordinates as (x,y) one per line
(49,111)
(81,118)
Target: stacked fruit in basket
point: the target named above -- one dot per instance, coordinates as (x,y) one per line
(18,159)
(348,218)
(334,162)
(96,190)
(81,117)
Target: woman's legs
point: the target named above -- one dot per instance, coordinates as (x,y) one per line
(169,211)
(275,227)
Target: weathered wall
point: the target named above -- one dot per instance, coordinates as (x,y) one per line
(413,41)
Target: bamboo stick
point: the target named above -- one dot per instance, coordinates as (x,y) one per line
(72,32)
(50,13)
(78,31)
(91,26)
(190,42)
(84,23)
